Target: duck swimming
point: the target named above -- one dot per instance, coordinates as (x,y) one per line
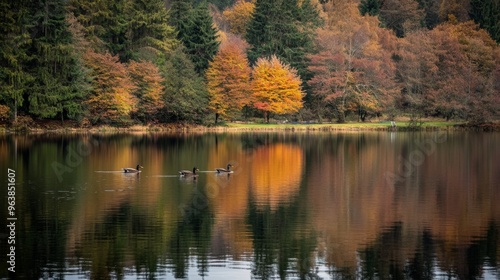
(224,170)
(133,170)
(187,173)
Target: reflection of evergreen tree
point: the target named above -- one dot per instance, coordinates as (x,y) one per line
(193,231)
(383,259)
(278,239)
(379,260)
(422,266)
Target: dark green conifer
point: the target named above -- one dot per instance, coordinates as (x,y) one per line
(186,96)
(371,7)
(487,14)
(285,29)
(179,17)
(148,33)
(14,44)
(60,81)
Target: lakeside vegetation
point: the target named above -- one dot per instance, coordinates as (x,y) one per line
(156,63)
(400,125)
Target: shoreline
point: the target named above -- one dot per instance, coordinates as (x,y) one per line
(255,127)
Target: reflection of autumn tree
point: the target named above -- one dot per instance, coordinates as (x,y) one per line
(455,202)
(135,225)
(276,173)
(230,236)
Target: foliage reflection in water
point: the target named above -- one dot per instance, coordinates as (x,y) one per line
(298,205)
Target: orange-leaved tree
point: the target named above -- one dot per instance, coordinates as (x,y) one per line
(149,89)
(228,78)
(276,87)
(111,99)
(353,69)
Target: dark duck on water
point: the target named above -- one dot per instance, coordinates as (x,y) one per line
(187,173)
(133,170)
(224,170)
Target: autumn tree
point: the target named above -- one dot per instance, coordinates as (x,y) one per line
(276,87)
(228,78)
(148,90)
(450,72)
(468,65)
(238,16)
(416,68)
(111,100)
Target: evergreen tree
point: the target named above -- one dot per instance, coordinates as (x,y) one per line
(200,38)
(284,29)
(179,12)
(14,43)
(186,96)
(60,81)
(220,4)
(487,14)
(431,9)
(371,7)
(148,31)
(104,21)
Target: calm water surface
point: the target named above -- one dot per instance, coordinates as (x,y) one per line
(298,205)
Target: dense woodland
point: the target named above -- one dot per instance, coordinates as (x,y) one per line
(125,62)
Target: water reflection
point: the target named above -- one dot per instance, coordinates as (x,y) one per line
(350,205)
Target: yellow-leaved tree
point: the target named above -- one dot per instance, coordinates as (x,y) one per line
(111,100)
(276,87)
(228,79)
(239,15)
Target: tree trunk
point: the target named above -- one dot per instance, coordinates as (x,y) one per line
(15,111)
(216,117)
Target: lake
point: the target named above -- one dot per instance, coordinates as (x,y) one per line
(349,205)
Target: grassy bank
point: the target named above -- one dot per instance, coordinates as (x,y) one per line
(340,126)
(236,127)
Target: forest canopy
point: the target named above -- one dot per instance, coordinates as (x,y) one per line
(126,62)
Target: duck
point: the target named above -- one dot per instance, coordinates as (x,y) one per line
(137,169)
(224,170)
(187,173)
